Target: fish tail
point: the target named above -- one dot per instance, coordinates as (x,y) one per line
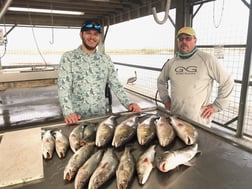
(121,186)
(61,155)
(68,176)
(48,155)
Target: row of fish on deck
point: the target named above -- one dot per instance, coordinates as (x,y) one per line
(94,160)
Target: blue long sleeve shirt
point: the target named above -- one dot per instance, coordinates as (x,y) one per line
(82,79)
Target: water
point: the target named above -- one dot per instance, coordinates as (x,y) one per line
(233,63)
(155,61)
(32,59)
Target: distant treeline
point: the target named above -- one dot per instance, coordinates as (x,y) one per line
(25,51)
(108,51)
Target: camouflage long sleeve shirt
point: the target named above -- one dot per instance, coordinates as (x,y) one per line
(82,79)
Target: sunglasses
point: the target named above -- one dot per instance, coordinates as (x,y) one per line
(187,38)
(92,26)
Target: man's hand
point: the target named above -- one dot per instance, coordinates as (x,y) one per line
(207,111)
(72,118)
(167,105)
(134,108)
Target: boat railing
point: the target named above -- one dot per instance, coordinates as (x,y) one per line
(145,85)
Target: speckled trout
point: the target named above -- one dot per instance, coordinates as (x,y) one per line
(165,131)
(125,169)
(125,131)
(145,164)
(105,170)
(75,137)
(48,144)
(185,131)
(105,131)
(77,159)
(169,160)
(146,130)
(86,170)
(90,132)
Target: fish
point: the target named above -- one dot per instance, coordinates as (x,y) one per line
(85,171)
(61,143)
(146,130)
(105,170)
(165,132)
(89,132)
(48,144)
(169,160)
(125,131)
(145,164)
(75,137)
(185,131)
(105,131)
(125,169)
(77,160)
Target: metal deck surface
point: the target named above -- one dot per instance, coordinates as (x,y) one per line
(222,164)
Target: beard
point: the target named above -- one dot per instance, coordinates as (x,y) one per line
(87,46)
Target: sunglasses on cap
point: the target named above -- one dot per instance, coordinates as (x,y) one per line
(89,26)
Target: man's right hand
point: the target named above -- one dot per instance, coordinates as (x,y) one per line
(72,118)
(167,105)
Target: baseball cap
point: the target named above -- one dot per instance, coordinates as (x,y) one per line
(91,25)
(186,30)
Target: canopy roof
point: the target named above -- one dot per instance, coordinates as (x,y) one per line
(108,11)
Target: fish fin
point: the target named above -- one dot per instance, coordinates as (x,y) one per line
(83,142)
(104,165)
(153,164)
(198,153)
(190,163)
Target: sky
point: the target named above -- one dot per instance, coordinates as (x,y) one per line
(143,32)
(126,35)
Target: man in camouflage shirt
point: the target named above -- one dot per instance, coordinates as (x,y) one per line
(82,77)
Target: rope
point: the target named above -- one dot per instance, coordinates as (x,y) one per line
(221,16)
(5,40)
(35,40)
(52,39)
